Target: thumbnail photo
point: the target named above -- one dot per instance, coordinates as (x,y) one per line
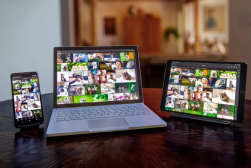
(127,56)
(225,112)
(75,90)
(64,100)
(223,96)
(24,106)
(105,65)
(62,67)
(134,96)
(34,89)
(101,76)
(16,81)
(175,79)
(18,106)
(80,57)
(125,75)
(227,74)
(176,71)
(37,113)
(115,97)
(213,74)
(133,87)
(111,57)
(95,57)
(129,65)
(33,105)
(78,66)
(92,77)
(218,83)
(60,58)
(27,88)
(181,104)
(118,65)
(195,106)
(202,82)
(111,76)
(170,101)
(107,88)
(127,96)
(17,98)
(27,114)
(210,107)
(18,115)
(62,90)
(25,81)
(92,89)
(62,78)
(82,99)
(201,73)
(231,84)
(93,65)
(207,95)
(176,91)
(188,81)
(122,87)
(100,98)
(35,96)
(197,94)
(78,78)
(188,72)
(26,98)
(68,58)
(188,94)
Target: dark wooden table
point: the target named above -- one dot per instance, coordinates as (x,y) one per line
(184,142)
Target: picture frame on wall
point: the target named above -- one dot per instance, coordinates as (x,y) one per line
(109,26)
(214,18)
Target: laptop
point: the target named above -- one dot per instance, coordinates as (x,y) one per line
(98,89)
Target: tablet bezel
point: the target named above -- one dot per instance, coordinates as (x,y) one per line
(242,89)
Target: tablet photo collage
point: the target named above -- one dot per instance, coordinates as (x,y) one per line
(26,97)
(95,77)
(202,92)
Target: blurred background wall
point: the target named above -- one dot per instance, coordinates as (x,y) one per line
(29,30)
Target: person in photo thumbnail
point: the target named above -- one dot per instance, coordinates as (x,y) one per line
(78,78)
(18,115)
(62,90)
(176,91)
(92,77)
(111,57)
(102,76)
(197,93)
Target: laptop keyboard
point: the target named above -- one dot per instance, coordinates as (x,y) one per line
(68,115)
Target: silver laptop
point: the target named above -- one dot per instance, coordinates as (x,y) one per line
(98,89)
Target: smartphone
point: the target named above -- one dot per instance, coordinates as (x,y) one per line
(26,98)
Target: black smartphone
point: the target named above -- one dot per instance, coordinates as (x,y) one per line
(26,98)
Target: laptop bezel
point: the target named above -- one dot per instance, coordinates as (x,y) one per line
(137,71)
(242,89)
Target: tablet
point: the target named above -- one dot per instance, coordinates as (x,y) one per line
(210,90)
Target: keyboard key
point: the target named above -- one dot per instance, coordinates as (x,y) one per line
(60,120)
(81,118)
(67,119)
(74,118)
(128,114)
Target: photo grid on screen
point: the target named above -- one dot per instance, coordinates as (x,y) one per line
(204,92)
(96,77)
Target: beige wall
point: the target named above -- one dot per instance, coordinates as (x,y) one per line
(240,36)
(166,10)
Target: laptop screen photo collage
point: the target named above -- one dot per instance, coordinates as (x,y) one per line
(204,92)
(95,77)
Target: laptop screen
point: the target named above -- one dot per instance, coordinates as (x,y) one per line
(204,89)
(89,76)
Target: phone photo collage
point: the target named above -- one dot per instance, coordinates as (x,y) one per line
(202,92)
(27,102)
(96,77)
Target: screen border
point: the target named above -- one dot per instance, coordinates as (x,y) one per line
(25,74)
(242,89)
(137,71)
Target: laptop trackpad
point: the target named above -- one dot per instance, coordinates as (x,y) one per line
(107,124)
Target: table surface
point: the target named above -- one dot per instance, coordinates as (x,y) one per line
(184,142)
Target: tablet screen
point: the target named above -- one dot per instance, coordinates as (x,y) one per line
(204,89)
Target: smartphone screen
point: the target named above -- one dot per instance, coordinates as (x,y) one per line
(26,96)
